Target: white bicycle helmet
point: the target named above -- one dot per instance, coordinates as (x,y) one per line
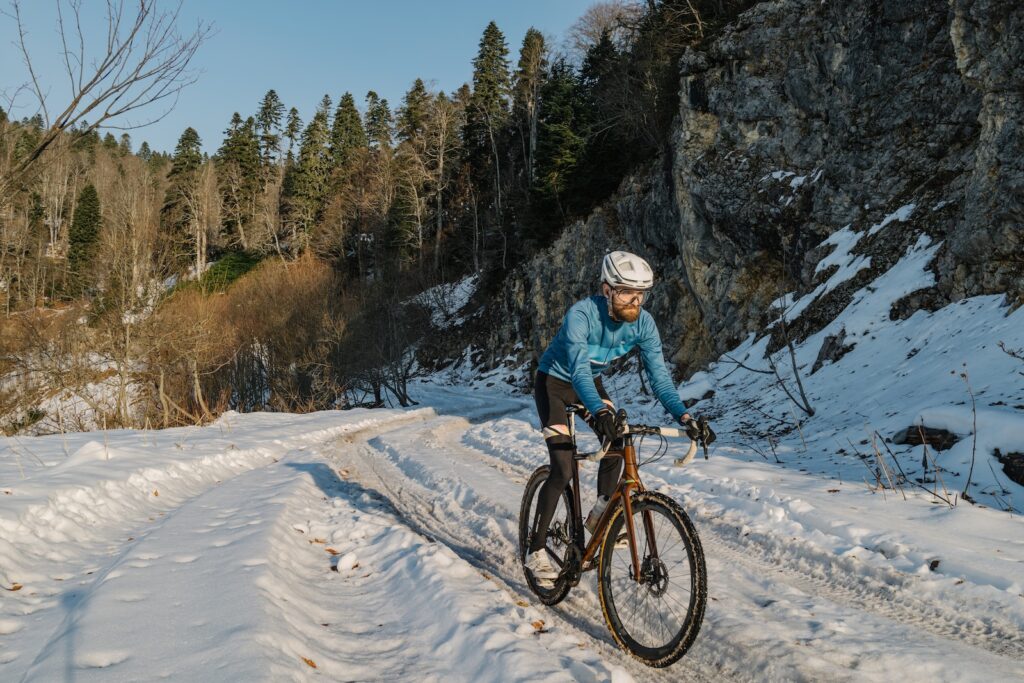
(629,271)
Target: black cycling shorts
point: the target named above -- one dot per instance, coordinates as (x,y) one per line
(553,395)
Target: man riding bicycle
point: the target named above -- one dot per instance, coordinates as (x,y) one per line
(594,332)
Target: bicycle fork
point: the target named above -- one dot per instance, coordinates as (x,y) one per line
(629,481)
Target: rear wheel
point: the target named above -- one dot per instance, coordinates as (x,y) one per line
(657,618)
(559,542)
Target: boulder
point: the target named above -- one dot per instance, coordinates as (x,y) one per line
(915,435)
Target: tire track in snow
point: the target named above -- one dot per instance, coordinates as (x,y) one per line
(438,502)
(446,515)
(882,591)
(91,548)
(821,574)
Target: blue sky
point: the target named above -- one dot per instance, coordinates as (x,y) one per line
(305,49)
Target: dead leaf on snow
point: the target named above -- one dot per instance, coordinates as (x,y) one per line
(538,626)
(309,662)
(331,551)
(155,492)
(14,587)
(522,603)
(317,540)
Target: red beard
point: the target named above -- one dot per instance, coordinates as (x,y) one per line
(625,312)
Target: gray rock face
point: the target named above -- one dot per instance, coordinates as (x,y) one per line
(801,118)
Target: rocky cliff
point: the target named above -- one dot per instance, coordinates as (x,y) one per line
(803,117)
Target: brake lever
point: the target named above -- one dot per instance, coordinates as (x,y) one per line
(700,431)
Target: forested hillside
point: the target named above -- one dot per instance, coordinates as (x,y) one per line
(150,287)
(724,141)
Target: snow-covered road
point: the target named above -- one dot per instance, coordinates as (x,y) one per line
(783,606)
(371,545)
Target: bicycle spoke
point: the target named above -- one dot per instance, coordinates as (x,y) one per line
(655,615)
(652,619)
(686,608)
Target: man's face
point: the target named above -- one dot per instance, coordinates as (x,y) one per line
(624,304)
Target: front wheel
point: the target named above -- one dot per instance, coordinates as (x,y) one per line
(559,541)
(656,618)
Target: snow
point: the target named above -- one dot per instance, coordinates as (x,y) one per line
(382,545)
(379,545)
(446,301)
(847,266)
(901,215)
(241,551)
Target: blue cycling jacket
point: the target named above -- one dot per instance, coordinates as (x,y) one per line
(589,340)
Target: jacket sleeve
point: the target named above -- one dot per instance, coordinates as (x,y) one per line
(577,331)
(657,373)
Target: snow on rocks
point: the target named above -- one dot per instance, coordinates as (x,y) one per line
(901,215)
(447,300)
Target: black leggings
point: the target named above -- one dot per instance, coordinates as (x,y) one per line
(552,396)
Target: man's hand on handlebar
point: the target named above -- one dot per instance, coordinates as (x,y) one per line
(698,430)
(606,426)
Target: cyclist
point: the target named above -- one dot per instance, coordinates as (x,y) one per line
(594,332)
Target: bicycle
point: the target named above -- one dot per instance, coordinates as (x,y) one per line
(652,580)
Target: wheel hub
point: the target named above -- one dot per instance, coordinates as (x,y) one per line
(654,575)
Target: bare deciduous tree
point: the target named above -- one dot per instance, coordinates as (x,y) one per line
(204,204)
(143,61)
(616,17)
(441,143)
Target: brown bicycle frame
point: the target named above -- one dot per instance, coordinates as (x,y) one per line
(628,482)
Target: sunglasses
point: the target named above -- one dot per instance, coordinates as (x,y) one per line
(629,295)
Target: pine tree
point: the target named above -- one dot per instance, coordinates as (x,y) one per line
(378,121)
(268,123)
(178,213)
(124,147)
(307,187)
(292,129)
(610,149)
(238,176)
(487,114)
(560,140)
(526,96)
(347,132)
(597,71)
(412,115)
(145,153)
(488,107)
(83,238)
